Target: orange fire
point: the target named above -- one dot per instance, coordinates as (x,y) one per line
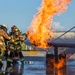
(40,31)
(61,64)
(57,65)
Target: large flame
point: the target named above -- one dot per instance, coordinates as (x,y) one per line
(40,28)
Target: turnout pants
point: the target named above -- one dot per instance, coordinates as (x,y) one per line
(1,58)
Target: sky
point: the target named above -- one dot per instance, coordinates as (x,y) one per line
(21,12)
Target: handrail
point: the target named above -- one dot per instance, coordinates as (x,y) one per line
(63,34)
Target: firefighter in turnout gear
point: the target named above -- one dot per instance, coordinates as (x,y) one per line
(15,45)
(3,37)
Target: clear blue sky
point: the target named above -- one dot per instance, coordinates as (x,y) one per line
(21,12)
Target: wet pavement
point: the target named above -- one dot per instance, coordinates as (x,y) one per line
(37,66)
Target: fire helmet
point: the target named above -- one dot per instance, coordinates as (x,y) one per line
(14,28)
(5,26)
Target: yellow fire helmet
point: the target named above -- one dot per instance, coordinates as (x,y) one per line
(5,25)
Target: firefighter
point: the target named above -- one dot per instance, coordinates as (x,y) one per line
(15,45)
(3,37)
(11,52)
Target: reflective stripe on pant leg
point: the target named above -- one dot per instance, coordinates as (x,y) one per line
(1,64)
(0,60)
(21,56)
(9,60)
(2,53)
(9,68)
(22,59)
(0,71)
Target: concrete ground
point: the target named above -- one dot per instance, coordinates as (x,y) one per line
(37,66)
